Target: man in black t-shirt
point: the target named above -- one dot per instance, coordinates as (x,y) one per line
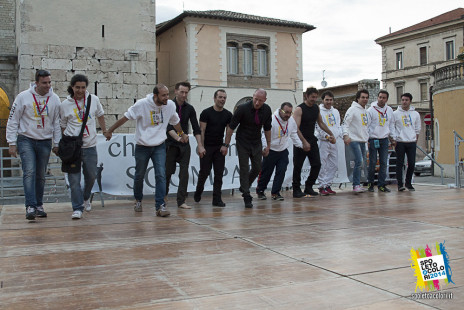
(306,115)
(213,122)
(252,116)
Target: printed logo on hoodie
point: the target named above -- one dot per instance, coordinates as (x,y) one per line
(407,121)
(330,120)
(364,119)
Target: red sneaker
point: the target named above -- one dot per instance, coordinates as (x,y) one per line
(323,192)
(329,190)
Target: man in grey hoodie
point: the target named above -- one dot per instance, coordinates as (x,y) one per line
(33,123)
(380,127)
(355,135)
(406,131)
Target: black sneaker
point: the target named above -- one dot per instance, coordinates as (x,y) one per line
(219,203)
(401,188)
(40,212)
(297,193)
(370,187)
(248,201)
(311,192)
(261,196)
(197,197)
(30,213)
(410,188)
(277,197)
(384,189)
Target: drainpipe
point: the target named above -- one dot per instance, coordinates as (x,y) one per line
(432,127)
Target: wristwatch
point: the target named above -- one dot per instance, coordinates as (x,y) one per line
(225,144)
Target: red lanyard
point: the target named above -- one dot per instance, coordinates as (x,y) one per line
(40,111)
(286,127)
(383,114)
(77,105)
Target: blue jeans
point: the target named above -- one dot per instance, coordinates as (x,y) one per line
(359,152)
(279,161)
(34,156)
(89,169)
(157,154)
(383,153)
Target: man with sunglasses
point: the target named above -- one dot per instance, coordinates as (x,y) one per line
(33,123)
(283,127)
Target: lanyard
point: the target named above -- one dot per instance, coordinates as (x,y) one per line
(40,111)
(286,127)
(380,112)
(82,117)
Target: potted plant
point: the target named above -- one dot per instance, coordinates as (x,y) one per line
(460,57)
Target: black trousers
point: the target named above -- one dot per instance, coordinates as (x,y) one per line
(299,156)
(408,149)
(181,155)
(247,153)
(212,159)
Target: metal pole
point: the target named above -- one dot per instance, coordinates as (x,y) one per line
(456,161)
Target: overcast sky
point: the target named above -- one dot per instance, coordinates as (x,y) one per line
(343,42)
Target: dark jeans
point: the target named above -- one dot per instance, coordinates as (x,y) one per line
(157,154)
(246,153)
(383,157)
(181,155)
(299,156)
(89,170)
(402,148)
(212,158)
(34,156)
(279,161)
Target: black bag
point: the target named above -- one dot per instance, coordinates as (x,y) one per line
(70,147)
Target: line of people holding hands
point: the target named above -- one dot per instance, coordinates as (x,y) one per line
(38,119)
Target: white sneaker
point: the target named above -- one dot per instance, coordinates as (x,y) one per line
(87,205)
(358,189)
(77,215)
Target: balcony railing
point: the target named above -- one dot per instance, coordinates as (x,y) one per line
(451,75)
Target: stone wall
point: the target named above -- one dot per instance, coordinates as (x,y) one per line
(117,77)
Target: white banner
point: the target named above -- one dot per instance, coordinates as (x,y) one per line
(117,157)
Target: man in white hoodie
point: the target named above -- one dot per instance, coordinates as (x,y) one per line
(380,128)
(355,135)
(283,127)
(33,123)
(406,131)
(328,150)
(152,115)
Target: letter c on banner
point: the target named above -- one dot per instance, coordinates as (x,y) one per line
(110,151)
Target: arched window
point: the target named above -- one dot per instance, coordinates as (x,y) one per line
(262,60)
(232,58)
(247,59)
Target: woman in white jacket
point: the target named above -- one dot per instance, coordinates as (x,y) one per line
(355,134)
(72,111)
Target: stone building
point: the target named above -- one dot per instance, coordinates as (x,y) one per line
(112,42)
(238,52)
(410,56)
(448,109)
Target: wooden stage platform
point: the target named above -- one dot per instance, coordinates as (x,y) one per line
(340,252)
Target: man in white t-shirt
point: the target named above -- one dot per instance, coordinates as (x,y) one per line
(152,115)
